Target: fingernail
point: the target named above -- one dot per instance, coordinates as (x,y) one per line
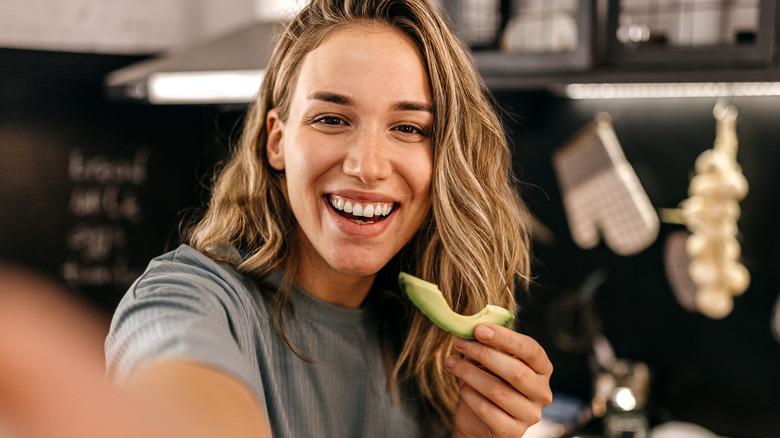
(484,332)
(461,344)
(450,362)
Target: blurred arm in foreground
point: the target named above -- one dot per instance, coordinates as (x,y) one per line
(52,375)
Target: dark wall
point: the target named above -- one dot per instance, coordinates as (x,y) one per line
(90,190)
(722,374)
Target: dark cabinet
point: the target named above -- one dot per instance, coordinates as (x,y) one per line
(681,33)
(535,44)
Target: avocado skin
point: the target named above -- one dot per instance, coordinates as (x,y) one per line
(430,302)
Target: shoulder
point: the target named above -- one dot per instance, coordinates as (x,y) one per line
(187,286)
(186,305)
(190,272)
(186,260)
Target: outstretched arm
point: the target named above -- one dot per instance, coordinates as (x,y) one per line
(52,378)
(191,393)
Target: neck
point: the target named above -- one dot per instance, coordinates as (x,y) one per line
(335,288)
(327,284)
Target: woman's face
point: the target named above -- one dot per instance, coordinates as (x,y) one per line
(356,151)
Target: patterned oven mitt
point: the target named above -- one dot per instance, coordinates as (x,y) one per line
(602,196)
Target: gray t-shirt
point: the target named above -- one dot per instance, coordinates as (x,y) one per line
(187,306)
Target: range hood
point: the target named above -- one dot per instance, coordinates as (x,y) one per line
(224,70)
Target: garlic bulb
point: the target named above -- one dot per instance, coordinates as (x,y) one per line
(714,302)
(710,214)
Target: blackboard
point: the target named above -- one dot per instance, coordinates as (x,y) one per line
(91,190)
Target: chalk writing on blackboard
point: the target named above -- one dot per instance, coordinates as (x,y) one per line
(96,243)
(104,201)
(112,201)
(105,170)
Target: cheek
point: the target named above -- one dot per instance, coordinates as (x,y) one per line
(307,161)
(419,171)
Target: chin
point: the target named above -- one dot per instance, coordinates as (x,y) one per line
(360,266)
(360,270)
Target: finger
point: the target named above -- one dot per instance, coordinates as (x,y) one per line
(467,423)
(496,396)
(509,369)
(523,347)
(487,419)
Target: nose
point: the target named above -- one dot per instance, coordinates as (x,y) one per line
(368,157)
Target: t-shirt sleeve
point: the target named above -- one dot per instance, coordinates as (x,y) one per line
(180,311)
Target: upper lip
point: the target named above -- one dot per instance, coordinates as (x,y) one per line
(362,196)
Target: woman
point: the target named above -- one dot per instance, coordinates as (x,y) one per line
(370,149)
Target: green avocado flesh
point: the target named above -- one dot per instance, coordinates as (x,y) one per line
(429,300)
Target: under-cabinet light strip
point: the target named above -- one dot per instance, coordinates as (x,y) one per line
(238,86)
(242,86)
(666,90)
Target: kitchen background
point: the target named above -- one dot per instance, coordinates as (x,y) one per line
(95,179)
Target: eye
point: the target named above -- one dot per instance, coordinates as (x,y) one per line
(329,120)
(411,130)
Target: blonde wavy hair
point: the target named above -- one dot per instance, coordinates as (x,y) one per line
(474,243)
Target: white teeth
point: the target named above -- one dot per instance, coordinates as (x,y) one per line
(358,209)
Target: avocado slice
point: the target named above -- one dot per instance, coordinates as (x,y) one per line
(429,300)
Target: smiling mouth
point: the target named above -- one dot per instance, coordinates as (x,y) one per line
(363,213)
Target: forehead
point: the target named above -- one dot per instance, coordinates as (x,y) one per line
(362,31)
(363,54)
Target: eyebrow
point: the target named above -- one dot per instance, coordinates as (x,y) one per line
(340,99)
(330,97)
(408,105)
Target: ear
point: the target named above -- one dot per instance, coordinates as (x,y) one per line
(274,148)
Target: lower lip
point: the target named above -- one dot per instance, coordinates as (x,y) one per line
(352,228)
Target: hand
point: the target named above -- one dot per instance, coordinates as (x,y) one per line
(504,383)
